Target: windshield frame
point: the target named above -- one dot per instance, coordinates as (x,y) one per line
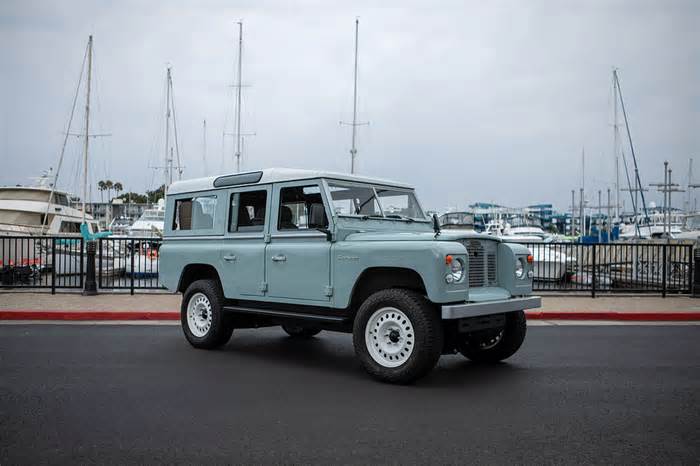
(343,183)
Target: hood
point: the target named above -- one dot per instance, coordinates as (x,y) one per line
(445,235)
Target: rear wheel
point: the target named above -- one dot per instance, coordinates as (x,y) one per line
(498,344)
(397,335)
(300,331)
(201,315)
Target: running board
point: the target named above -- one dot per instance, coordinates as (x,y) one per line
(285,314)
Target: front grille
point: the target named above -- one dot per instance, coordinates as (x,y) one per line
(482,262)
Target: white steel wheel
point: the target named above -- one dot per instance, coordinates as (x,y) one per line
(199,315)
(389,337)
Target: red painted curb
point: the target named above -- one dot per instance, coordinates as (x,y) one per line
(21,314)
(613,315)
(88,315)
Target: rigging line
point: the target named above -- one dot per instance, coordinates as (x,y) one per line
(65,141)
(629,181)
(634,157)
(177,145)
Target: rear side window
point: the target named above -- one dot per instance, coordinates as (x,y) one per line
(196,213)
(249,209)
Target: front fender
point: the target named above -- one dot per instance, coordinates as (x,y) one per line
(349,260)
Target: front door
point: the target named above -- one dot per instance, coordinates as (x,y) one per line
(298,255)
(243,251)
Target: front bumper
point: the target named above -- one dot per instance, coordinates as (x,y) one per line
(460,311)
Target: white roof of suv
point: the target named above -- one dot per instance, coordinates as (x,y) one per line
(276,175)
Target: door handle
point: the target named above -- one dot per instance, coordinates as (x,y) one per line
(230,258)
(280,258)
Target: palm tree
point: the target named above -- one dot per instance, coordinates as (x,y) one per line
(108,186)
(101,187)
(118,187)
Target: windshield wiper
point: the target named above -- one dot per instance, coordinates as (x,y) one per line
(367,217)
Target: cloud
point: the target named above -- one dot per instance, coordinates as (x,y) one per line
(469,101)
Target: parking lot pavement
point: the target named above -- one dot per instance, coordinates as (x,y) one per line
(118,394)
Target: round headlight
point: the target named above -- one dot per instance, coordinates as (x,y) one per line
(457,269)
(519,268)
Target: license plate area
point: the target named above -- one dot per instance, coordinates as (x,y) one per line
(475,324)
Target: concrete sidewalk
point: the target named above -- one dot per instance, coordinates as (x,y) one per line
(162,306)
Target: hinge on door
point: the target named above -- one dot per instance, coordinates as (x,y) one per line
(328,291)
(263,287)
(267,238)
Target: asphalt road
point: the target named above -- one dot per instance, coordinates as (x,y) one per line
(118,394)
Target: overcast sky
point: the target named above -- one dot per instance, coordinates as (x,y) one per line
(468,101)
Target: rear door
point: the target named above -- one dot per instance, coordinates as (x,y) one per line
(243,250)
(298,255)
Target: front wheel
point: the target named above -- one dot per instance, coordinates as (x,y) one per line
(202,316)
(397,335)
(495,345)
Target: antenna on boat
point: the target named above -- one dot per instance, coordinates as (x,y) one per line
(355,123)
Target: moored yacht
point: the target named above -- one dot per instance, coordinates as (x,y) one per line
(150,223)
(34,211)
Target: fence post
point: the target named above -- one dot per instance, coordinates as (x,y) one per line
(693,267)
(594,275)
(132,267)
(90,284)
(99,262)
(53,265)
(663,271)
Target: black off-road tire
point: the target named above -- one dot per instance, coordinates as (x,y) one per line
(219,333)
(509,343)
(426,325)
(300,331)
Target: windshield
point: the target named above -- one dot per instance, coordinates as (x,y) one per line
(692,222)
(374,201)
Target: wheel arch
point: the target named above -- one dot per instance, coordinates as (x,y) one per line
(194,272)
(374,279)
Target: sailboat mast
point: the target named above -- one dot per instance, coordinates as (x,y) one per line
(634,156)
(616,154)
(238,97)
(204,147)
(353,150)
(87,127)
(168,168)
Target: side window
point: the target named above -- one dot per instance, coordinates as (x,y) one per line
(250,209)
(301,208)
(196,213)
(69,227)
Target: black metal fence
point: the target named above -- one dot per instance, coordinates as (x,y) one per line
(613,267)
(60,262)
(133,264)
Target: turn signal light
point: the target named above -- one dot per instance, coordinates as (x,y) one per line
(530,259)
(448,259)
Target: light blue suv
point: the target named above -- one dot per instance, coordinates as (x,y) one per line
(314,251)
